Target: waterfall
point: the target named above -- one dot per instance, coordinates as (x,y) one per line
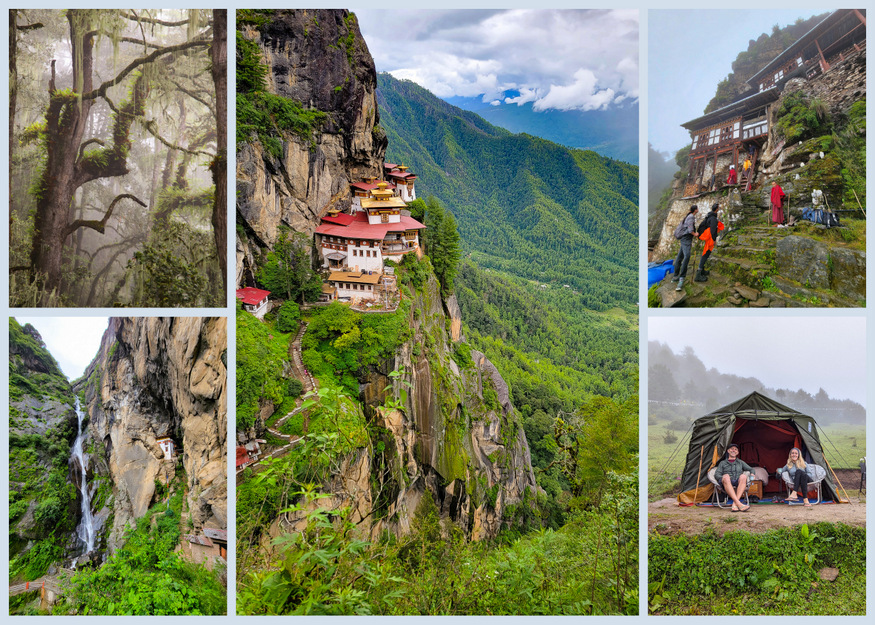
(85,530)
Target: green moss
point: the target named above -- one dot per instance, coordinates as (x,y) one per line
(800,117)
(347,41)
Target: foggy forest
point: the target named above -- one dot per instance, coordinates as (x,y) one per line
(682,387)
(117,168)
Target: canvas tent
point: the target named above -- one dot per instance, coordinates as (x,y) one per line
(764,431)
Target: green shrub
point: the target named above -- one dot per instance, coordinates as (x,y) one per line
(288,317)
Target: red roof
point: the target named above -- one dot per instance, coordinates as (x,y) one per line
(198,540)
(405,174)
(370,186)
(216,534)
(390,166)
(341,219)
(242,456)
(251,295)
(359,228)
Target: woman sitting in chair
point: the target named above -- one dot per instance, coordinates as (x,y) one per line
(796,468)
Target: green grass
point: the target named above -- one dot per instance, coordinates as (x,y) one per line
(759,573)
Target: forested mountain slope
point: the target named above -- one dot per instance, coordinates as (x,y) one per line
(524,205)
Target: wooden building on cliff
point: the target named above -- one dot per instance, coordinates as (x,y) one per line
(724,137)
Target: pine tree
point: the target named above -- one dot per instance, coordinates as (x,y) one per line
(441,241)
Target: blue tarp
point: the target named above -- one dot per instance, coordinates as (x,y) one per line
(657,271)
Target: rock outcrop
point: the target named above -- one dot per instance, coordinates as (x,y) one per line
(154,378)
(42,426)
(319,59)
(457,436)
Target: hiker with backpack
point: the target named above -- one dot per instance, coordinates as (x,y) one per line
(707,231)
(684,234)
(733,474)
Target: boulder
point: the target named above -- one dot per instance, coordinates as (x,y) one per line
(804,260)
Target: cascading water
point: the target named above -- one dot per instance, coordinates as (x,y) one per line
(85,531)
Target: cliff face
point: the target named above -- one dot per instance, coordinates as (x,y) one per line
(457,436)
(154,378)
(319,59)
(42,426)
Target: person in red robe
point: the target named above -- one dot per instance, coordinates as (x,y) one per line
(733,175)
(777,202)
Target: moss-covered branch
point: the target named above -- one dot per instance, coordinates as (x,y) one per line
(100,224)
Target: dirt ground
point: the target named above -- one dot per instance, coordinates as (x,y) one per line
(666,517)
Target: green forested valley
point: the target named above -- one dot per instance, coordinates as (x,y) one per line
(524,205)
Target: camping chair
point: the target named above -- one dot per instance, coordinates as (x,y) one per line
(718,491)
(815,475)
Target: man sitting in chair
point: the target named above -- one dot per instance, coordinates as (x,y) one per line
(732,474)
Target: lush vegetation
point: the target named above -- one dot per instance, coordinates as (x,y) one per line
(524,205)
(261,352)
(769,573)
(589,566)
(340,342)
(288,273)
(441,242)
(146,575)
(41,431)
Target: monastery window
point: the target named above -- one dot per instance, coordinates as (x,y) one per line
(384,218)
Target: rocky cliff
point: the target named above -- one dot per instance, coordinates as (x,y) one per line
(154,378)
(317,58)
(42,426)
(456,435)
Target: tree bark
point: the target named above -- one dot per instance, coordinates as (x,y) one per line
(219,57)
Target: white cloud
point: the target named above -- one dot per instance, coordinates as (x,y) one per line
(566,59)
(582,94)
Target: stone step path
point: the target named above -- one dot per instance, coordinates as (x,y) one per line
(309,386)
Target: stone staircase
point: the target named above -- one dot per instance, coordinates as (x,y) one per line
(746,267)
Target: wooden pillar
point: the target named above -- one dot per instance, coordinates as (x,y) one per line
(824,66)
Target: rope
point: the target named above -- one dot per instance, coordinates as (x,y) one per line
(835,449)
(674,453)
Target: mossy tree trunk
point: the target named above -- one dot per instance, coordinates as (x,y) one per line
(68,165)
(219,56)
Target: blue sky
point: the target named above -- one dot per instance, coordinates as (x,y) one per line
(689,53)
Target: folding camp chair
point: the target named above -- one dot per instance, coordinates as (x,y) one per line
(816,475)
(718,491)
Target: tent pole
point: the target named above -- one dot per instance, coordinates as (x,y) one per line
(698,476)
(838,481)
